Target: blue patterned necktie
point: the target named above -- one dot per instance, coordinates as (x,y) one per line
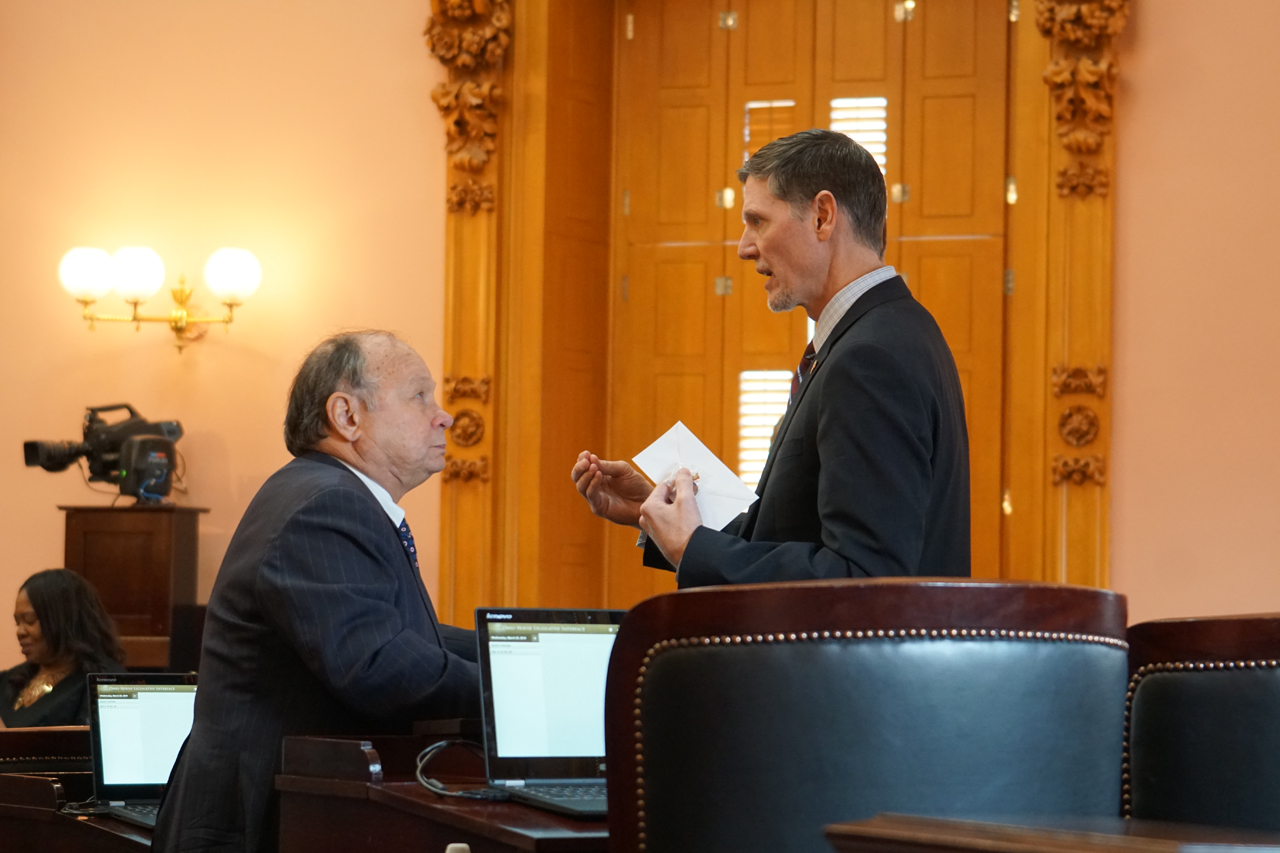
(406,539)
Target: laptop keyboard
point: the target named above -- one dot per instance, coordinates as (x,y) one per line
(568,792)
(140,815)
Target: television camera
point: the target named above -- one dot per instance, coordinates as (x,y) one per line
(134,453)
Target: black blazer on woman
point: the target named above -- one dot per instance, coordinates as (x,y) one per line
(66,705)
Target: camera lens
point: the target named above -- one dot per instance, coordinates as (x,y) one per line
(52,455)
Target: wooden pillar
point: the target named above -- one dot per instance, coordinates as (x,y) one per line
(472,39)
(1059,318)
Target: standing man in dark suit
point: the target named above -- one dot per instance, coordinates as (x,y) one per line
(868,474)
(319,622)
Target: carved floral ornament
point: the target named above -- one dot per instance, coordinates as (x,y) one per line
(1079,425)
(1078,470)
(457,388)
(1082,79)
(465,470)
(471,39)
(1079,380)
(470,116)
(469,196)
(468,428)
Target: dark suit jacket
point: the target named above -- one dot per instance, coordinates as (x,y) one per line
(318,624)
(868,474)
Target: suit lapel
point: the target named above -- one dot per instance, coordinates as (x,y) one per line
(886,291)
(408,558)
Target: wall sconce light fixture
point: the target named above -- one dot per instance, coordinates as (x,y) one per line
(136,273)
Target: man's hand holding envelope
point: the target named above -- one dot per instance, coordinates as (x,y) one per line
(694,488)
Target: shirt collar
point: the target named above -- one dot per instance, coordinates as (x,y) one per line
(843,301)
(390,507)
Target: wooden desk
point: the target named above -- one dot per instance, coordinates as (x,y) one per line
(353,796)
(907,834)
(30,820)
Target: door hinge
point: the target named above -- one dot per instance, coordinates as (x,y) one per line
(626,202)
(1014,11)
(1008,282)
(898,193)
(1011,190)
(728,20)
(1006,502)
(725,198)
(631,26)
(724,285)
(904,11)
(626,288)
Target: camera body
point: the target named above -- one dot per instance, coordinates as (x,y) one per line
(134,453)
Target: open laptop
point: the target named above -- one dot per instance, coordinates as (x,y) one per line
(137,724)
(542,676)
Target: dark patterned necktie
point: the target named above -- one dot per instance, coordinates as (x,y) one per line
(406,539)
(802,371)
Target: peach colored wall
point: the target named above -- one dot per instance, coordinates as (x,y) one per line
(1195,515)
(302,130)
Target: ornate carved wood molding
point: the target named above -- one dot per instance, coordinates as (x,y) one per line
(466,386)
(472,39)
(1082,79)
(1078,469)
(1079,380)
(1058,320)
(467,429)
(465,470)
(1079,426)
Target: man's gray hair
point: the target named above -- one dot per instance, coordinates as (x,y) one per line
(800,166)
(337,364)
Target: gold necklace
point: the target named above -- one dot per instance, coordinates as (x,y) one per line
(40,685)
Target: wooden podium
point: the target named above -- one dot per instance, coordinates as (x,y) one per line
(142,560)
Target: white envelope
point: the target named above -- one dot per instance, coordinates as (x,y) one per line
(721,493)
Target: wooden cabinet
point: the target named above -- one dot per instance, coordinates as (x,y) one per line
(142,561)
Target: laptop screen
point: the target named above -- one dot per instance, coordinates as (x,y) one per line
(137,723)
(543,677)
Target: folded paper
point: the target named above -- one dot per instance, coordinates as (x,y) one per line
(721,493)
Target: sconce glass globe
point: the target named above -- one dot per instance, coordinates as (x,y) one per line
(138,272)
(233,274)
(86,273)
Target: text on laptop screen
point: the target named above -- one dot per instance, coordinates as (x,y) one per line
(142,728)
(548,688)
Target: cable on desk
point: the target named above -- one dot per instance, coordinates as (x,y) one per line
(439,789)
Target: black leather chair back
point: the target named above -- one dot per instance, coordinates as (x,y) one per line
(1203,730)
(746,718)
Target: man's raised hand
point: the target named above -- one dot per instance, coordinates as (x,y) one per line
(613,489)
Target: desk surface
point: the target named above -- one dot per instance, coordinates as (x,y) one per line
(353,796)
(890,833)
(30,821)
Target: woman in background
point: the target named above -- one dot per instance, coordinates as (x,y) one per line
(64,633)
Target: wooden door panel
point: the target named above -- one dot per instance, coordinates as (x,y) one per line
(856,42)
(776,39)
(684,157)
(858,54)
(948,130)
(953,114)
(667,340)
(949,30)
(961,283)
(673,122)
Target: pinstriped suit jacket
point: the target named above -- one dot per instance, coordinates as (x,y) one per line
(317,624)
